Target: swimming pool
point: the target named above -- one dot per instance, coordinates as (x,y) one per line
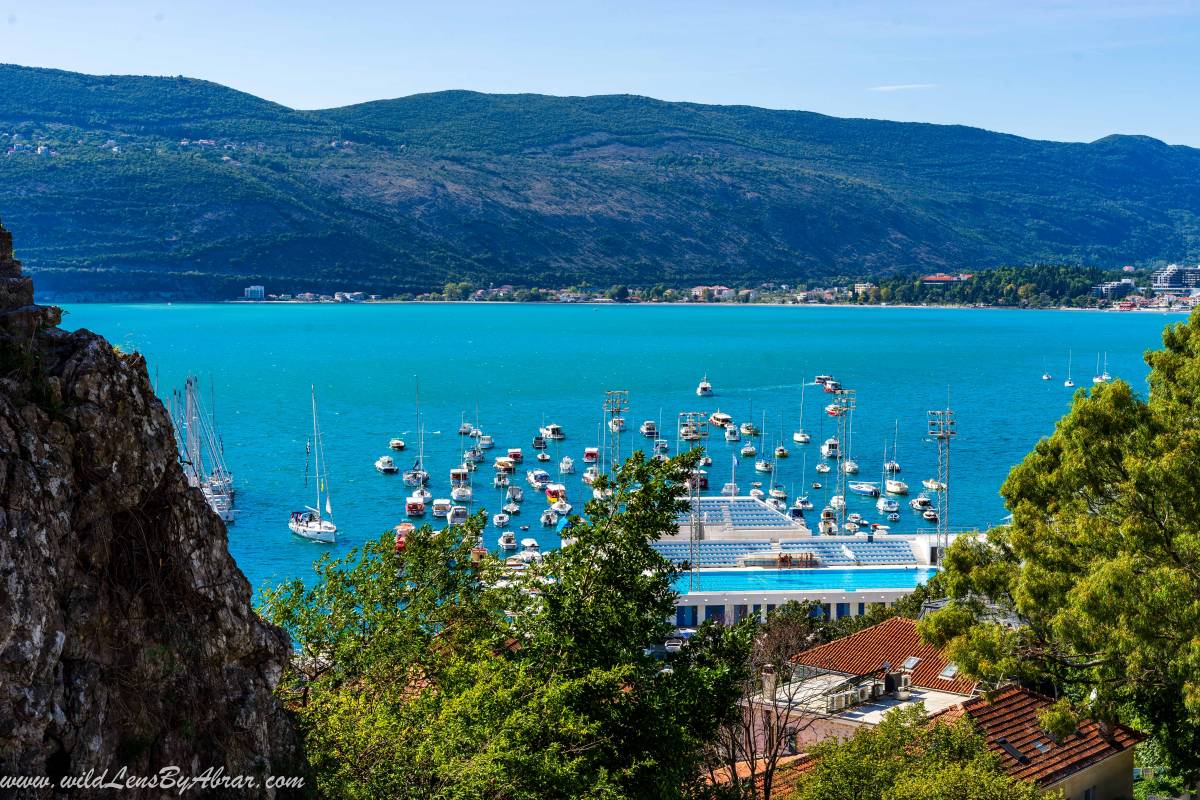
(810,580)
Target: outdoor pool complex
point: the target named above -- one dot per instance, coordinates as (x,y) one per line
(807,580)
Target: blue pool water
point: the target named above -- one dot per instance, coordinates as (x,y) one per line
(826,579)
(524,363)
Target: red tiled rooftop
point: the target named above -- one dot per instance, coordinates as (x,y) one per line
(1012,716)
(894,641)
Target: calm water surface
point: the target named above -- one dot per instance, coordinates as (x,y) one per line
(520,364)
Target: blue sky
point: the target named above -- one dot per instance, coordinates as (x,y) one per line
(1059,69)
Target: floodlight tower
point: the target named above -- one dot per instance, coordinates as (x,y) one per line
(942,430)
(693,428)
(616,403)
(845,401)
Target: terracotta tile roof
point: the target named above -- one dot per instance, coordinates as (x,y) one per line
(894,641)
(1009,722)
(788,770)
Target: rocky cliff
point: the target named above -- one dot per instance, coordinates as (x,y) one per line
(127,638)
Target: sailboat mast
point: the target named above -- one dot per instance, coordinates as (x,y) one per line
(316,434)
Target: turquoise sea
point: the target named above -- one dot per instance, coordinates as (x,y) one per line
(522,364)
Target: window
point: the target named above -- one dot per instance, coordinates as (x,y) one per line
(862,609)
(1089,794)
(911,662)
(949,673)
(843,610)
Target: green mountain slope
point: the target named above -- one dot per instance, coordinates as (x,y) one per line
(404,195)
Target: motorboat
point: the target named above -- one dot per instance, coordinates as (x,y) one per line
(504,464)
(886,505)
(441,508)
(704,388)
(795,513)
(458,515)
(706,461)
(821,380)
(530,544)
(720,419)
(831,448)
(856,518)
(823,468)
(414,507)
(920,502)
(566,466)
(464,429)
(781,452)
(555,491)
(778,492)
(511,508)
(894,486)
(396,444)
(816,485)
(561,507)
(590,475)
(748,429)
(486,442)
(777,504)
(460,476)
(549,518)
(516,494)
(616,424)
(828,523)
(690,432)
(864,488)
(553,432)
(732,435)
(461,494)
(894,516)
(933,485)
(543,456)
(701,479)
(539,443)
(748,450)
(850,466)
(500,480)
(803,503)
(475,433)
(515,455)
(473,456)
(591,455)
(500,520)
(649,429)
(386,465)
(763,465)
(661,445)
(929,515)
(835,410)
(832,386)
(422,494)
(757,493)
(538,478)
(837,502)
(730,489)
(507,541)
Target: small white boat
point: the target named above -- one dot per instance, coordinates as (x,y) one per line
(837,502)
(1068,382)
(661,445)
(1046,376)
(748,450)
(778,492)
(777,504)
(464,429)
(591,455)
(553,431)
(831,448)
(414,507)
(856,518)
(864,488)
(757,493)
(929,515)
(748,429)
(850,466)
(475,433)
(441,508)
(500,520)
(566,466)
(423,494)
(850,527)
(590,474)
(386,465)
(933,485)
(549,518)
(894,516)
(561,507)
(920,502)
(891,466)
(396,444)
(516,494)
(823,467)
(616,424)
(458,515)
(731,434)
(801,437)
(816,485)
(886,505)
(500,480)
(649,429)
(543,456)
(512,508)
(461,494)
(781,452)
(529,543)
(720,419)
(538,478)
(486,442)
(473,456)
(763,465)
(704,388)
(803,503)
(894,486)
(730,489)
(507,541)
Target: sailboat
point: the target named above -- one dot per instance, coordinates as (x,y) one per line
(1045,372)
(1068,382)
(309,524)
(731,489)
(800,436)
(1101,376)
(417,476)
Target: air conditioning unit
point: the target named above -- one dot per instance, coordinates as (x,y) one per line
(864,693)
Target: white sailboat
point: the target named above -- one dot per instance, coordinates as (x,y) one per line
(417,476)
(1068,382)
(801,436)
(309,523)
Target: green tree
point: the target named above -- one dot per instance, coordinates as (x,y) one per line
(434,672)
(906,757)
(619,293)
(1101,561)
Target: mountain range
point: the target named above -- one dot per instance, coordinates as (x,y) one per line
(149,187)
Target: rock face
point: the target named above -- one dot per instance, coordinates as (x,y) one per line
(127,638)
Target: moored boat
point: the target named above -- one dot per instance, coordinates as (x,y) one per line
(386,465)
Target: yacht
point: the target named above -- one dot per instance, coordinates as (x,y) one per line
(515,455)
(757,493)
(864,488)
(516,494)
(800,436)
(511,508)
(396,444)
(561,507)
(458,515)
(486,442)
(500,520)
(566,466)
(591,455)
(763,465)
(464,429)
(473,456)
(777,504)
(422,494)
(539,443)
(543,456)
(616,424)
(831,448)
(704,388)
(891,466)
(803,503)
(731,434)
(920,502)
(933,485)
(538,478)
(507,541)
(778,492)
(929,515)
(730,489)
(894,486)
(386,465)
(850,466)
(781,452)
(549,518)
(504,464)
(309,524)
(828,523)
(530,544)
(1068,382)
(553,432)
(720,419)
(835,409)
(690,433)
(748,429)
(441,508)
(414,507)
(461,494)
(823,467)
(886,505)
(649,429)
(661,445)
(837,502)
(590,474)
(500,480)
(748,450)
